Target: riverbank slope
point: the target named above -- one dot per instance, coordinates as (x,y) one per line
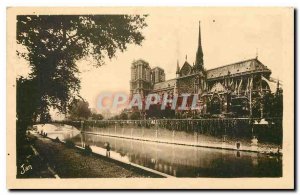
(73,163)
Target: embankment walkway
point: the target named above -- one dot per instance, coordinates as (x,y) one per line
(73,163)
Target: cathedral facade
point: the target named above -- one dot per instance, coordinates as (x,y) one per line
(234,89)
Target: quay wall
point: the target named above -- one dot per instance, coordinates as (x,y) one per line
(189,130)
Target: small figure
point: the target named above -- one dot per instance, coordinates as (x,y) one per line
(254,144)
(254,141)
(107,149)
(238,145)
(224,138)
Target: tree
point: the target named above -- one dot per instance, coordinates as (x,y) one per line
(79,110)
(123,116)
(277,107)
(27,101)
(96,116)
(135,116)
(268,101)
(55,43)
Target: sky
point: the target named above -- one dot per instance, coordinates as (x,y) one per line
(172,37)
(227,37)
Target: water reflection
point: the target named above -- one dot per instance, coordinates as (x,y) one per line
(185,161)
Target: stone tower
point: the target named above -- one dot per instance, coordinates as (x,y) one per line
(140,82)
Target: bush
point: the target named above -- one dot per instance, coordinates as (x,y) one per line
(32,139)
(87,149)
(56,139)
(70,144)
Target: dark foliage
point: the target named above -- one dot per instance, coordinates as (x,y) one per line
(96,116)
(70,143)
(53,46)
(79,110)
(87,150)
(56,140)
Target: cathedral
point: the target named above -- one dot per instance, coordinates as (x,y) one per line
(235,89)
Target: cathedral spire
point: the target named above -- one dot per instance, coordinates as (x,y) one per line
(178,68)
(199,54)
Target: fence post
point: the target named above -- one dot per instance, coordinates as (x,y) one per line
(173,136)
(156,130)
(122,130)
(196,133)
(143,129)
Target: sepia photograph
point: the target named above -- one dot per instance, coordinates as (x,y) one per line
(150,98)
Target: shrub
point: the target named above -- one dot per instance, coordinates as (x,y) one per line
(56,139)
(70,144)
(34,138)
(87,149)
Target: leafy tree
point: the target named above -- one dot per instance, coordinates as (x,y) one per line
(277,109)
(96,116)
(268,101)
(27,101)
(135,116)
(123,116)
(79,110)
(55,43)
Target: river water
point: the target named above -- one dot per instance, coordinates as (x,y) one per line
(182,161)
(188,161)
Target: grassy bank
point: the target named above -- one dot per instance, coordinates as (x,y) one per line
(73,163)
(29,163)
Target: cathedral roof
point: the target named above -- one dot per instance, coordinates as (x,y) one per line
(164,85)
(250,65)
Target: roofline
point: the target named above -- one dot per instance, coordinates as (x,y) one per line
(234,63)
(186,62)
(163,89)
(165,81)
(241,74)
(177,78)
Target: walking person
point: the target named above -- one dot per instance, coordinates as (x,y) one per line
(107,149)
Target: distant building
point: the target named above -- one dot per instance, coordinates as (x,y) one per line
(228,89)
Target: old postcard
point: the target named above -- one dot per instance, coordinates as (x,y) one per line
(150,98)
